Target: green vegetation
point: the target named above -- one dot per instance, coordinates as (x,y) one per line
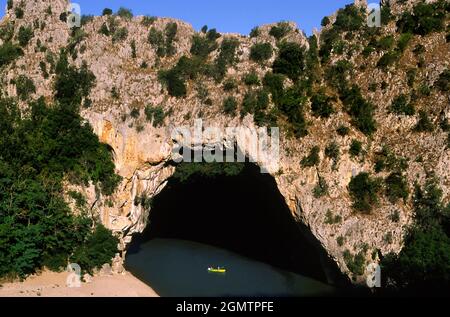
(363,191)
(424,19)
(423,265)
(125,13)
(332,152)
(184,171)
(312,159)
(385,159)
(331,219)
(340,241)
(396,187)
(355,148)
(72,84)
(147,21)
(50,145)
(321,189)
(24,86)
(401,105)
(424,124)
(359,109)
(251,79)
(156,115)
(107,11)
(230,84)
(25,35)
(120,34)
(342,130)
(10,4)
(18,11)
(321,105)
(261,52)
(255,32)
(443,82)
(280,30)
(355,263)
(8,53)
(230,105)
(226,58)
(290,60)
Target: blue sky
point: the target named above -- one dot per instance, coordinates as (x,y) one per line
(237,16)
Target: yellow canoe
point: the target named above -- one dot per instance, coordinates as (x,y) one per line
(217,270)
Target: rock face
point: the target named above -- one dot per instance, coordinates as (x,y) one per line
(141,151)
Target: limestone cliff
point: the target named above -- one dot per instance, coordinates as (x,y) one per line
(141,150)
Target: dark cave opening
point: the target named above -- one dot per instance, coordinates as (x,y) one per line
(244,213)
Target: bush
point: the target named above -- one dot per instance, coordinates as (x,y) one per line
(71,83)
(312,159)
(330,219)
(332,151)
(422,266)
(99,248)
(107,11)
(355,264)
(125,13)
(135,113)
(342,130)
(443,83)
(10,4)
(386,160)
(355,148)
(290,61)
(321,189)
(275,84)
(359,109)
(388,59)
(349,19)
(230,105)
(325,21)
(363,191)
(120,34)
(255,32)
(155,115)
(252,79)
(148,20)
(261,52)
(8,53)
(104,29)
(425,19)
(403,41)
(202,46)
(19,12)
(175,85)
(424,124)
(229,85)
(321,105)
(396,187)
(25,35)
(24,86)
(400,105)
(227,57)
(280,30)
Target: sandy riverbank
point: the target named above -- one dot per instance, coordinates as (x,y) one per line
(50,284)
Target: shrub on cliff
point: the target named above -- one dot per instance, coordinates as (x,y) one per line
(24,87)
(364,192)
(230,105)
(312,159)
(280,30)
(396,187)
(359,109)
(155,115)
(261,52)
(25,35)
(321,105)
(8,53)
(290,60)
(423,265)
(125,13)
(401,105)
